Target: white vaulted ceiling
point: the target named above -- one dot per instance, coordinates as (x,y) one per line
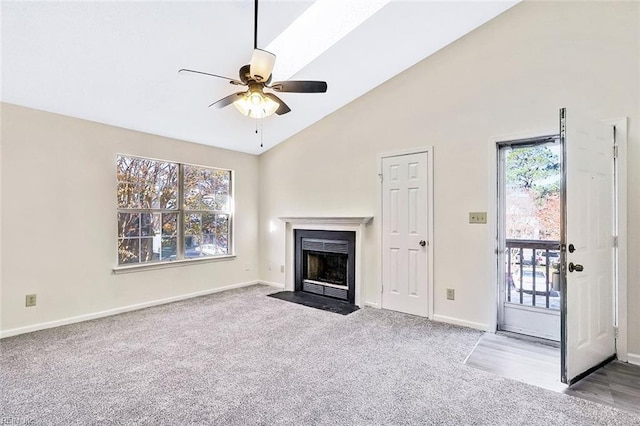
(116,62)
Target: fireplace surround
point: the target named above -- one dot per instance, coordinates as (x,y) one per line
(356,224)
(325,263)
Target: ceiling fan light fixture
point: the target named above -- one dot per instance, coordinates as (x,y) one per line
(256,75)
(261,64)
(255,105)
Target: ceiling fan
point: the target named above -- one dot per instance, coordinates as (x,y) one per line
(255,102)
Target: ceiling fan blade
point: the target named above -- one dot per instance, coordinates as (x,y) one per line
(227,100)
(261,65)
(283,108)
(231,80)
(300,86)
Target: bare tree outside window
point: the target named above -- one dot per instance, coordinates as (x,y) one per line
(150,228)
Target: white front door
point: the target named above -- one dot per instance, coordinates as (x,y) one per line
(588,245)
(405,243)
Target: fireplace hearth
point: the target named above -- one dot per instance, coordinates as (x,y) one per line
(325,263)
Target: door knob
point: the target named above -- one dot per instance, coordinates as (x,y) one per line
(422,243)
(576,267)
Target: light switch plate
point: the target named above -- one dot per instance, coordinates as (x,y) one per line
(477,217)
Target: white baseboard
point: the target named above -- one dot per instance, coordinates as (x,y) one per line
(372,305)
(116,311)
(633,358)
(464,323)
(272,284)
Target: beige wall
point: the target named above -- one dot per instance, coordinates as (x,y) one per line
(510,76)
(59,219)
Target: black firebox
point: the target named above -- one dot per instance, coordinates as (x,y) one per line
(325,263)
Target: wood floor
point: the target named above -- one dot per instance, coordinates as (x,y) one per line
(617,384)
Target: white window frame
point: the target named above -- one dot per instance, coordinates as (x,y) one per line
(181,212)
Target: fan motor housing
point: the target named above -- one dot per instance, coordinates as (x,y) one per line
(245,76)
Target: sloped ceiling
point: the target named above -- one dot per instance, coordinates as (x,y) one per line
(116,62)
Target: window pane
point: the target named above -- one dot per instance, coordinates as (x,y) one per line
(168,237)
(169,249)
(138,250)
(206,189)
(192,224)
(209,224)
(128,224)
(206,234)
(144,183)
(192,234)
(128,250)
(215,230)
(166,196)
(222,233)
(169,224)
(147,225)
(146,250)
(128,195)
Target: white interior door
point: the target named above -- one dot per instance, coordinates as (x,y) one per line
(405,242)
(588,250)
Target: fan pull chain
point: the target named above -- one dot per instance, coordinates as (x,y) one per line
(261,131)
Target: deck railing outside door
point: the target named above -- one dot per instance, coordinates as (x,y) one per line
(532,269)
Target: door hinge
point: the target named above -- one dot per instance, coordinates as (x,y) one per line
(615,241)
(381,176)
(615,151)
(616,332)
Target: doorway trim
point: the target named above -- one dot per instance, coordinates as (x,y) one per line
(534,321)
(492,213)
(429,151)
(620,217)
(621,295)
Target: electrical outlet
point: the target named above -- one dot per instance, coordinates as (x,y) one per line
(477,217)
(282,269)
(30,300)
(451,294)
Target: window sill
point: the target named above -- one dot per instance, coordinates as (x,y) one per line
(169,264)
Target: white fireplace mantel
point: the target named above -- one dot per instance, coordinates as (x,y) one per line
(325,220)
(338,223)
